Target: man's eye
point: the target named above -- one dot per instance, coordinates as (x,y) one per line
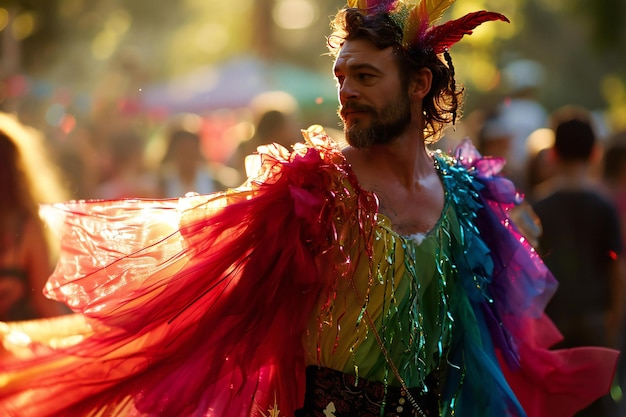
(365,76)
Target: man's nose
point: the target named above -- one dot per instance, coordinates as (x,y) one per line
(347,90)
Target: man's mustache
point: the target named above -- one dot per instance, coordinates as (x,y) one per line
(353,106)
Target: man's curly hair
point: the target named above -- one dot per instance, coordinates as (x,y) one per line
(442,105)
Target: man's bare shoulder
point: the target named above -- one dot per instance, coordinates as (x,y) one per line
(360,163)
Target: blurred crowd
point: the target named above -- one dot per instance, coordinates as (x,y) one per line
(186,153)
(567,163)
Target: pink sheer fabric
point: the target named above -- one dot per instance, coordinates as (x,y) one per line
(558,383)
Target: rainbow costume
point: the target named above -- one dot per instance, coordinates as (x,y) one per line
(226,304)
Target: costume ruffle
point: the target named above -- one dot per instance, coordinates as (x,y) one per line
(198,306)
(548,383)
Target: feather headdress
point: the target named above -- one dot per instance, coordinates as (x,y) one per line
(417,20)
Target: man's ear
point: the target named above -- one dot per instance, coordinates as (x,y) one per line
(420,84)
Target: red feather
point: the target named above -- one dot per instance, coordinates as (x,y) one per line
(442,37)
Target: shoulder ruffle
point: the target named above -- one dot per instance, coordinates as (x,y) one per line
(547,382)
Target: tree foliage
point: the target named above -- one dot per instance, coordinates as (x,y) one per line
(79,43)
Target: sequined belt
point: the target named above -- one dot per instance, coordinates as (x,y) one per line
(334,393)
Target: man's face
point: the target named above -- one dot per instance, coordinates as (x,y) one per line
(374,103)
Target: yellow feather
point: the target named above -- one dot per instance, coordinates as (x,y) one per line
(359,4)
(436,9)
(412,24)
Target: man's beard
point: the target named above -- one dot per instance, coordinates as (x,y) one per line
(385,126)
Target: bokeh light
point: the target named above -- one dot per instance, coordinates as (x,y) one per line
(295,14)
(23,25)
(106,42)
(211,38)
(4,18)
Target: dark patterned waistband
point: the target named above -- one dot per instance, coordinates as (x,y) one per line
(334,393)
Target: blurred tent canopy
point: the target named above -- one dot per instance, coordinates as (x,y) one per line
(235,83)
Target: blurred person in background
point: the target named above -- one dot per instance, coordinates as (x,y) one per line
(27,253)
(581,242)
(495,139)
(540,165)
(522,112)
(80,157)
(273,126)
(614,176)
(184,168)
(127,176)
